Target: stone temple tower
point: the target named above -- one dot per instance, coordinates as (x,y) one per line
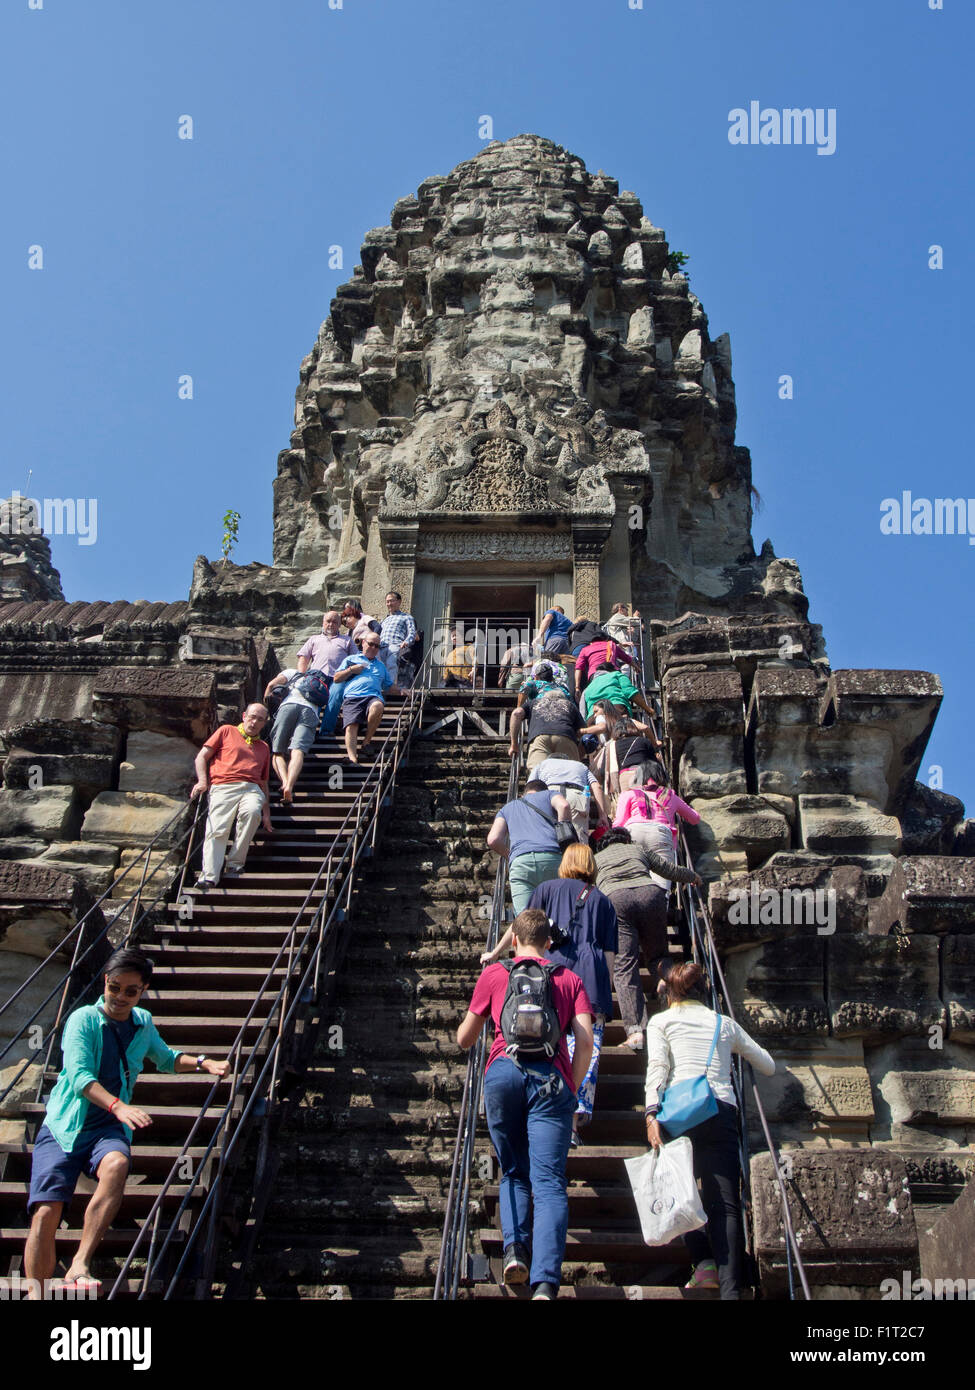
(517,402)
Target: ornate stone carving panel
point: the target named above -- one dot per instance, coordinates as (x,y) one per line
(497,481)
(509,546)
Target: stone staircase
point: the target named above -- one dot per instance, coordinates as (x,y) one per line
(359,1198)
(358,1202)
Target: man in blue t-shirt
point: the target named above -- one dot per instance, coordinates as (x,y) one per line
(524,830)
(551,635)
(364,680)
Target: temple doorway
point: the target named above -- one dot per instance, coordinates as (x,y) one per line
(495,616)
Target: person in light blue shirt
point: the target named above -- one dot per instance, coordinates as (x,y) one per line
(364,681)
(89,1121)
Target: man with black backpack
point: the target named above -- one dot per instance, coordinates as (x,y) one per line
(530,1090)
(296,721)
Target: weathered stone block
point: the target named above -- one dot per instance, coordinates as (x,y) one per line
(37,935)
(777,988)
(930,820)
(846,824)
(90,773)
(879,985)
(736,833)
(787,900)
(820,1090)
(50,813)
(157,763)
(958,986)
(81,852)
(159,872)
(948,1248)
(135,818)
(167,699)
(713,765)
(24,1083)
(876,868)
(902,703)
(15,968)
(854,1225)
(927,893)
(916,1084)
(703,702)
(21,849)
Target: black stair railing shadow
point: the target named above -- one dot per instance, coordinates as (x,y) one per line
(180,1252)
(454,1263)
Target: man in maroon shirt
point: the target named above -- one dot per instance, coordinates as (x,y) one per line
(529,1103)
(233,765)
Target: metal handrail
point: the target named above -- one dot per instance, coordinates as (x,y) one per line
(381,774)
(696,912)
(453,1246)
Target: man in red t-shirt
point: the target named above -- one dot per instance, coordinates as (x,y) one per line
(233,765)
(529,1105)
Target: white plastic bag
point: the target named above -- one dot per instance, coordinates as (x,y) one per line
(665,1191)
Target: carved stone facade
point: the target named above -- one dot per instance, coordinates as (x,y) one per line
(514,351)
(514,388)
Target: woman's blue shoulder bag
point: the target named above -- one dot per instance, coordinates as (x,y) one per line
(689,1103)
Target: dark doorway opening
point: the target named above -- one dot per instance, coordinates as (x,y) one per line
(495,617)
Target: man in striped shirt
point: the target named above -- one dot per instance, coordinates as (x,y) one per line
(398,630)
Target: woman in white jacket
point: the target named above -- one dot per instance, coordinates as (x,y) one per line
(678,1043)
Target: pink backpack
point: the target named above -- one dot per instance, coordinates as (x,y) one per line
(657,804)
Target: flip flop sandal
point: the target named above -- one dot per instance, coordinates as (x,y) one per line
(82,1284)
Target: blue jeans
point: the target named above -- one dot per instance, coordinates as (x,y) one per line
(529,1113)
(331,716)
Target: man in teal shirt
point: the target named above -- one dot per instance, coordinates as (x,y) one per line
(89,1121)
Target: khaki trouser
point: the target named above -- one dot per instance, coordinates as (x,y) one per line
(229,800)
(550,746)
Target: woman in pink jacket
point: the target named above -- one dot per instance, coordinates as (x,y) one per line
(649,811)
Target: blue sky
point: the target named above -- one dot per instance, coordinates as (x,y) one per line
(210,256)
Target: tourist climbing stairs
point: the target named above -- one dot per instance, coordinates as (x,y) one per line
(228,962)
(364,1160)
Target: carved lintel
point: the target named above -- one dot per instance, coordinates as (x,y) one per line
(502,546)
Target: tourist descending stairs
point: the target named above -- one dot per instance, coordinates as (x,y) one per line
(358,1201)
(230,965)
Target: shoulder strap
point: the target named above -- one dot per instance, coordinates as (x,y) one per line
(714,1042)
(578,903)
(538,812)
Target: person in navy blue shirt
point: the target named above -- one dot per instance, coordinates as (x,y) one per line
(576,906)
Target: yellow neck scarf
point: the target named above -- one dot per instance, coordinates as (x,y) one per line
(245,736)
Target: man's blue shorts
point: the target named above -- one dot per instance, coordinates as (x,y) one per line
(55,1173)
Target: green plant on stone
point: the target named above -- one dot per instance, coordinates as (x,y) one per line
(231,522)
(676,261)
